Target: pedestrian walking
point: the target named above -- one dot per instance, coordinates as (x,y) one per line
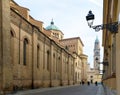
(82,82)
(88,83)
(96,83)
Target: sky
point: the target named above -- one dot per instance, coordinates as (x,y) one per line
(70,17)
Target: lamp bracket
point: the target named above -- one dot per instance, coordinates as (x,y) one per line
(105,63)
(112,27)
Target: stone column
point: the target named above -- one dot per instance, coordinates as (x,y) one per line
(5,59)
(34,61)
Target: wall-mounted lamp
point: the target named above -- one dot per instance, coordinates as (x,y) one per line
(105,63)
(103,71)
(112,27)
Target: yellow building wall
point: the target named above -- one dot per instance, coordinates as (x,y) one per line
(111,46)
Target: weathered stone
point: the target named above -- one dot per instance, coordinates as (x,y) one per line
(5,59)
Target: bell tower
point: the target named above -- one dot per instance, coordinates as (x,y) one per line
(96,54)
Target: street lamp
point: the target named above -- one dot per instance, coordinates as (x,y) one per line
(105,63)
(112,27)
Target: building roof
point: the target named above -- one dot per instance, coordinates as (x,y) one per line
(19,5)
(73,38)
(52,26)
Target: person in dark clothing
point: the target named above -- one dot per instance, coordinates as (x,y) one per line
(96,83)
(88,83)
(82,82)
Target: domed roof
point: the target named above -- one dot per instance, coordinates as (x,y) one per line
(97,40)
(52,27)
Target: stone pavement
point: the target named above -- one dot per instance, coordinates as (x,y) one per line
(99,91)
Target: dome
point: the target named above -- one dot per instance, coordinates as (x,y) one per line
(52,27)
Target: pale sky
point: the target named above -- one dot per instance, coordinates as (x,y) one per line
(69,17)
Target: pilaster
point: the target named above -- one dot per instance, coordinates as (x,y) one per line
(6,77)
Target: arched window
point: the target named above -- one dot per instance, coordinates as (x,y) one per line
(72,69)
(12,46)
(91,76)
(59,64)
(48,60)
(25,43)
(38,56)
(67,66)
(54,62)
(78,76)
(75,76)
(12,35)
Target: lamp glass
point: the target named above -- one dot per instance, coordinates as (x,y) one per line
(90,18)
(90,23)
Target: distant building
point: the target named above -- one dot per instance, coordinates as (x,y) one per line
(75,46)
(91,74)
(94,73)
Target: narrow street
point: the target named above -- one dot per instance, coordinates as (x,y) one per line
(66,90)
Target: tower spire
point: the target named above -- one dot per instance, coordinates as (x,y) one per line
(97,40)
(52,22)
(96,53)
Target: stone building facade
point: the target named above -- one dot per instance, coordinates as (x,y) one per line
(91,74)
(30,55)
(75,45)
(111,44)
